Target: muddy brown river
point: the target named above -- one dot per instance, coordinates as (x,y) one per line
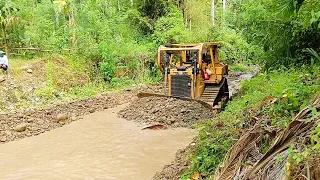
(100,146)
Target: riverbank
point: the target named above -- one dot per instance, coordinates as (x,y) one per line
(274,97)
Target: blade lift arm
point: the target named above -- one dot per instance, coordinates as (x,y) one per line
(166,69)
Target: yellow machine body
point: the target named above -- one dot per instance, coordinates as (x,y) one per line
(194,72)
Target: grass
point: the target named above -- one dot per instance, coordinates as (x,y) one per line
(291,89)
(241,67)
(55,80)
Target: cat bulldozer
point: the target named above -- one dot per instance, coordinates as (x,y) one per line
(193,72)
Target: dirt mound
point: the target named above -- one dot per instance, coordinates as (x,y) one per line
(166,111)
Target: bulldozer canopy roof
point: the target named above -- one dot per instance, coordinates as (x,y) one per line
(187,47)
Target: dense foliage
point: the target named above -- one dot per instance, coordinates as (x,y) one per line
(284,29)
(125,34)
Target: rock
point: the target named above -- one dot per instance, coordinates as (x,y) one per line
(62,117)
(45,127)
(92,110)
(34,129)
(3,139)
(28,134)
(30,120)
(29,71)
(40,122)
(8,133)
(21,127)
(30,89)
(20,115)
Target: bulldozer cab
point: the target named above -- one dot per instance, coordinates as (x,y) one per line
(193,71)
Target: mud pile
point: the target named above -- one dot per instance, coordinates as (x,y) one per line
(166,111)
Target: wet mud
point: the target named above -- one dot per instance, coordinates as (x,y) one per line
(166,111)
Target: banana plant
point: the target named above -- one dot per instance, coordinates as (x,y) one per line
(7,20)
(314,54)
(290,7)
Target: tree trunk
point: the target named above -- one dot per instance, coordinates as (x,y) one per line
(224,13)
(57,19)
(212,12)
(190,25)
(6,49)
(119,7)
(71,29)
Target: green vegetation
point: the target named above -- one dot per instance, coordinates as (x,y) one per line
(121,37)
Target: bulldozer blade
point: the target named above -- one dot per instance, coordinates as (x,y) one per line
(206,105)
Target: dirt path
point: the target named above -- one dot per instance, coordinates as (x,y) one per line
(100,146)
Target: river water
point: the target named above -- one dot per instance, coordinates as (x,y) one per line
(100,146)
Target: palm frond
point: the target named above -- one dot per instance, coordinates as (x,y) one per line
(236,165)
(289,7)
(10,21)
(313,53)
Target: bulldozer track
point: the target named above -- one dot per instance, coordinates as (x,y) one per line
(211,97)
(212,93)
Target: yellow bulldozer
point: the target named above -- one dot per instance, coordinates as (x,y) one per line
(194,72)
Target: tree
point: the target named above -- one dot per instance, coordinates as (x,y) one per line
(212,12)
(7,20)
(66,8)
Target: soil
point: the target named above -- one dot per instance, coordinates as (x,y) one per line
(18,125)
(166,111)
